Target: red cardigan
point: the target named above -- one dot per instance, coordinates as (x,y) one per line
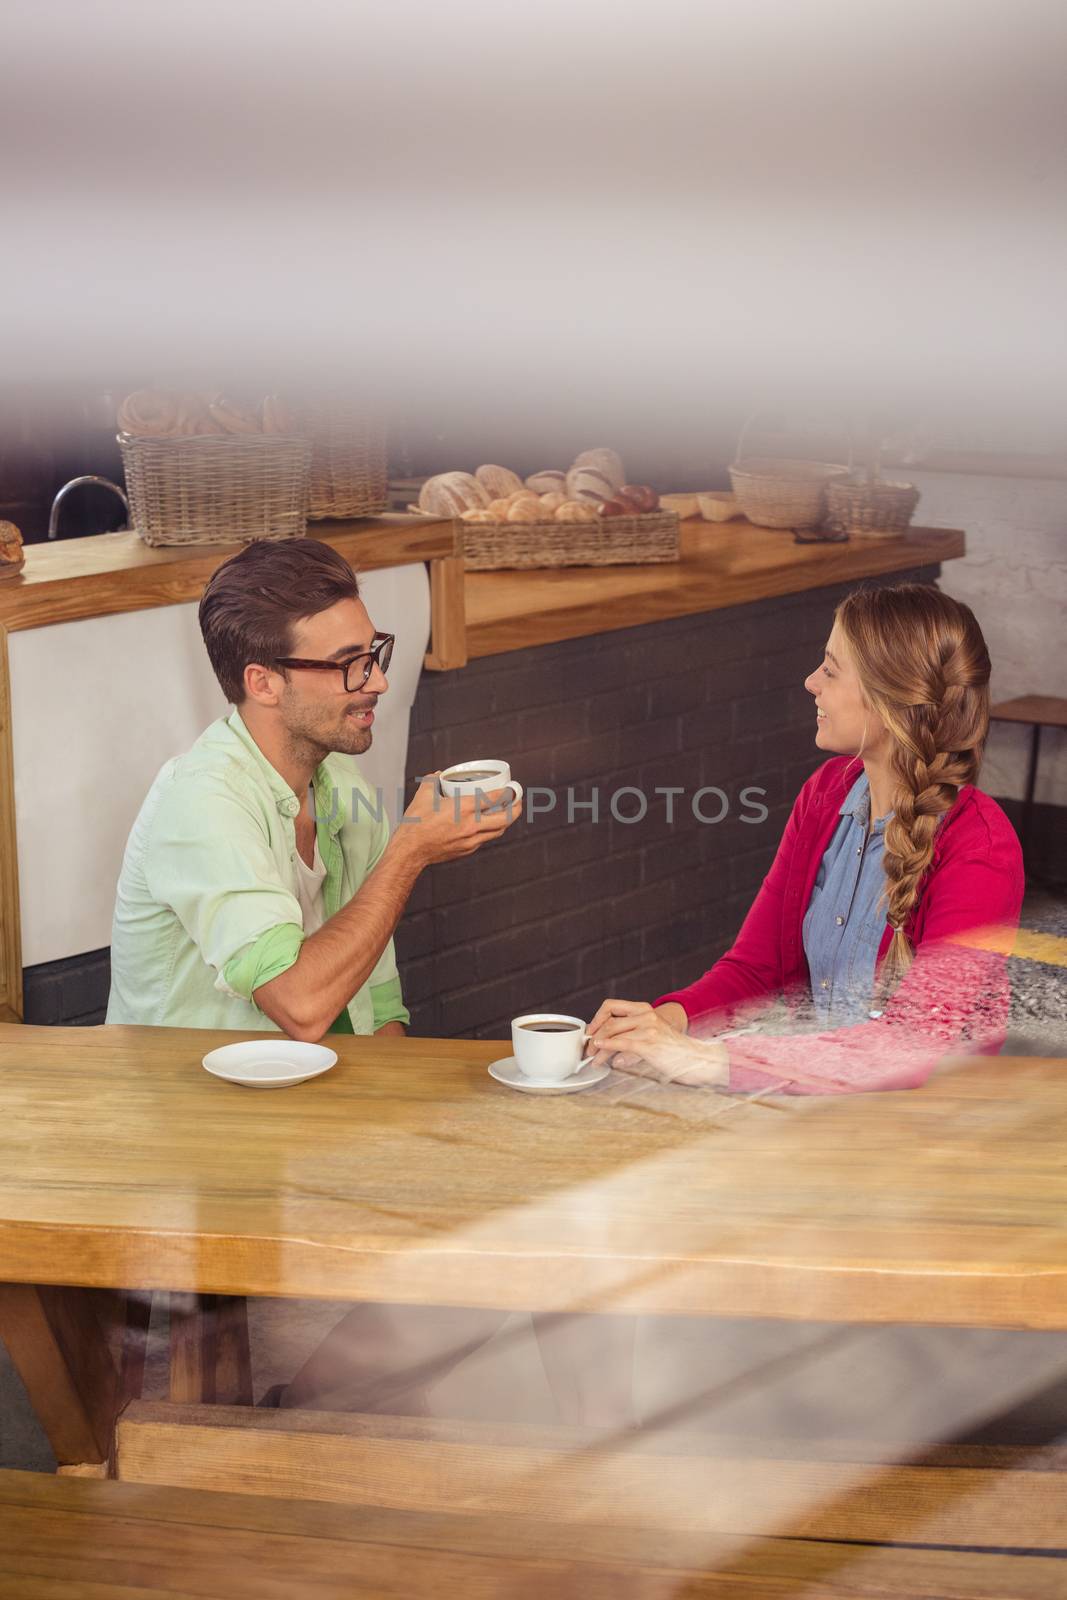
(955,997)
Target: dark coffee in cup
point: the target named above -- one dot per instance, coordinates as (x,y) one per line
(549,1027)
(472,775)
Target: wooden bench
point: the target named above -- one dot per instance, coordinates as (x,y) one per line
(983,1496)
(97,1540)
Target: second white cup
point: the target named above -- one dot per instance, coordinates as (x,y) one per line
(548,1046)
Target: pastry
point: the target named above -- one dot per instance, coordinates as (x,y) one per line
(547,482)
(589,483)
(275,416)
(449,494)
(641,496)
(499,509)
(576,511)
(11,553)
(684,505)
(718,505)
(526,508)
(606,461)
(231,417)
(477,516)
(615,508)
(194,418)
(149,414)
(552,502)
(499,482)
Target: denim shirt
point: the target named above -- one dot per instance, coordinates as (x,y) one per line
(846,915)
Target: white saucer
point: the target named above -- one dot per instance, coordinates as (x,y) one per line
(266,1064)
(506,1070)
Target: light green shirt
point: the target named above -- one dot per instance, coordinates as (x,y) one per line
(207,909)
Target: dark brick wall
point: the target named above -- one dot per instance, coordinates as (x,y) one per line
(558,914)
(72,992)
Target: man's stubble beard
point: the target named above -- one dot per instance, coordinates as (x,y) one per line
(319,742)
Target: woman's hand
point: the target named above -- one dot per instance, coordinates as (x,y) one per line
(637,1038)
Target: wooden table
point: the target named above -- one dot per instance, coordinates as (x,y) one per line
(406,1174)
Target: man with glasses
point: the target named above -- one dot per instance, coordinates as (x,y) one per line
(260,885)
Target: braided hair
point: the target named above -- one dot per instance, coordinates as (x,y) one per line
(923,668)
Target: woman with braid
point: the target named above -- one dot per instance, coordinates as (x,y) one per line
(895,893)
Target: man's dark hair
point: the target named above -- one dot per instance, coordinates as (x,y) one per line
(252,601)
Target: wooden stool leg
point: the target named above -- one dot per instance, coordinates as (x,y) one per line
(54,1338)
(192,1348)
(138,1315)
(210,1362)
(233,1358)
(1031,785)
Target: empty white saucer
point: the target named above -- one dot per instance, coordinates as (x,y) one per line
(269,1063)
(507,1071)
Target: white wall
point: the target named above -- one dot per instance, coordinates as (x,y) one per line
(1014,577)
(99,705)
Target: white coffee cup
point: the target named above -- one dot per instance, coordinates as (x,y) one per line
(548,1046)
(480,778)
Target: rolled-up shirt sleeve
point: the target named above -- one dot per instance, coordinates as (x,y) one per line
(387,1000)
(210,860)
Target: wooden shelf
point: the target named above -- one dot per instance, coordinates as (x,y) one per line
(726,564)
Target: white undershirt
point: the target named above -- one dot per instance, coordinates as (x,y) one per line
(309,881)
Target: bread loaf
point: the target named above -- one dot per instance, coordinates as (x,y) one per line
(590,484)
(526,509)
(499,509)
(231,417)
(10,544)
(576,511)
(449,494)
(275,416)
(498,481)
(149,413)
(552,502)
(641,496)
(547,482)
(194,418)
(605,461)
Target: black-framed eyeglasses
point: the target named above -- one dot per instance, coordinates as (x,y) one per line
(356,670)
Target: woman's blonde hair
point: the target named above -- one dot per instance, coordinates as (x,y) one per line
(923,668)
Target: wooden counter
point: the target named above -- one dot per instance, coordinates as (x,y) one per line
(722,565)
(72,579)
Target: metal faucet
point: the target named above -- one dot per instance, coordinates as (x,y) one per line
(76,483)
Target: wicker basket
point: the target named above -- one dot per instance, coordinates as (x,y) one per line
(216,490)
(349,461)
(870,508)
(777,493)
(608,542)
